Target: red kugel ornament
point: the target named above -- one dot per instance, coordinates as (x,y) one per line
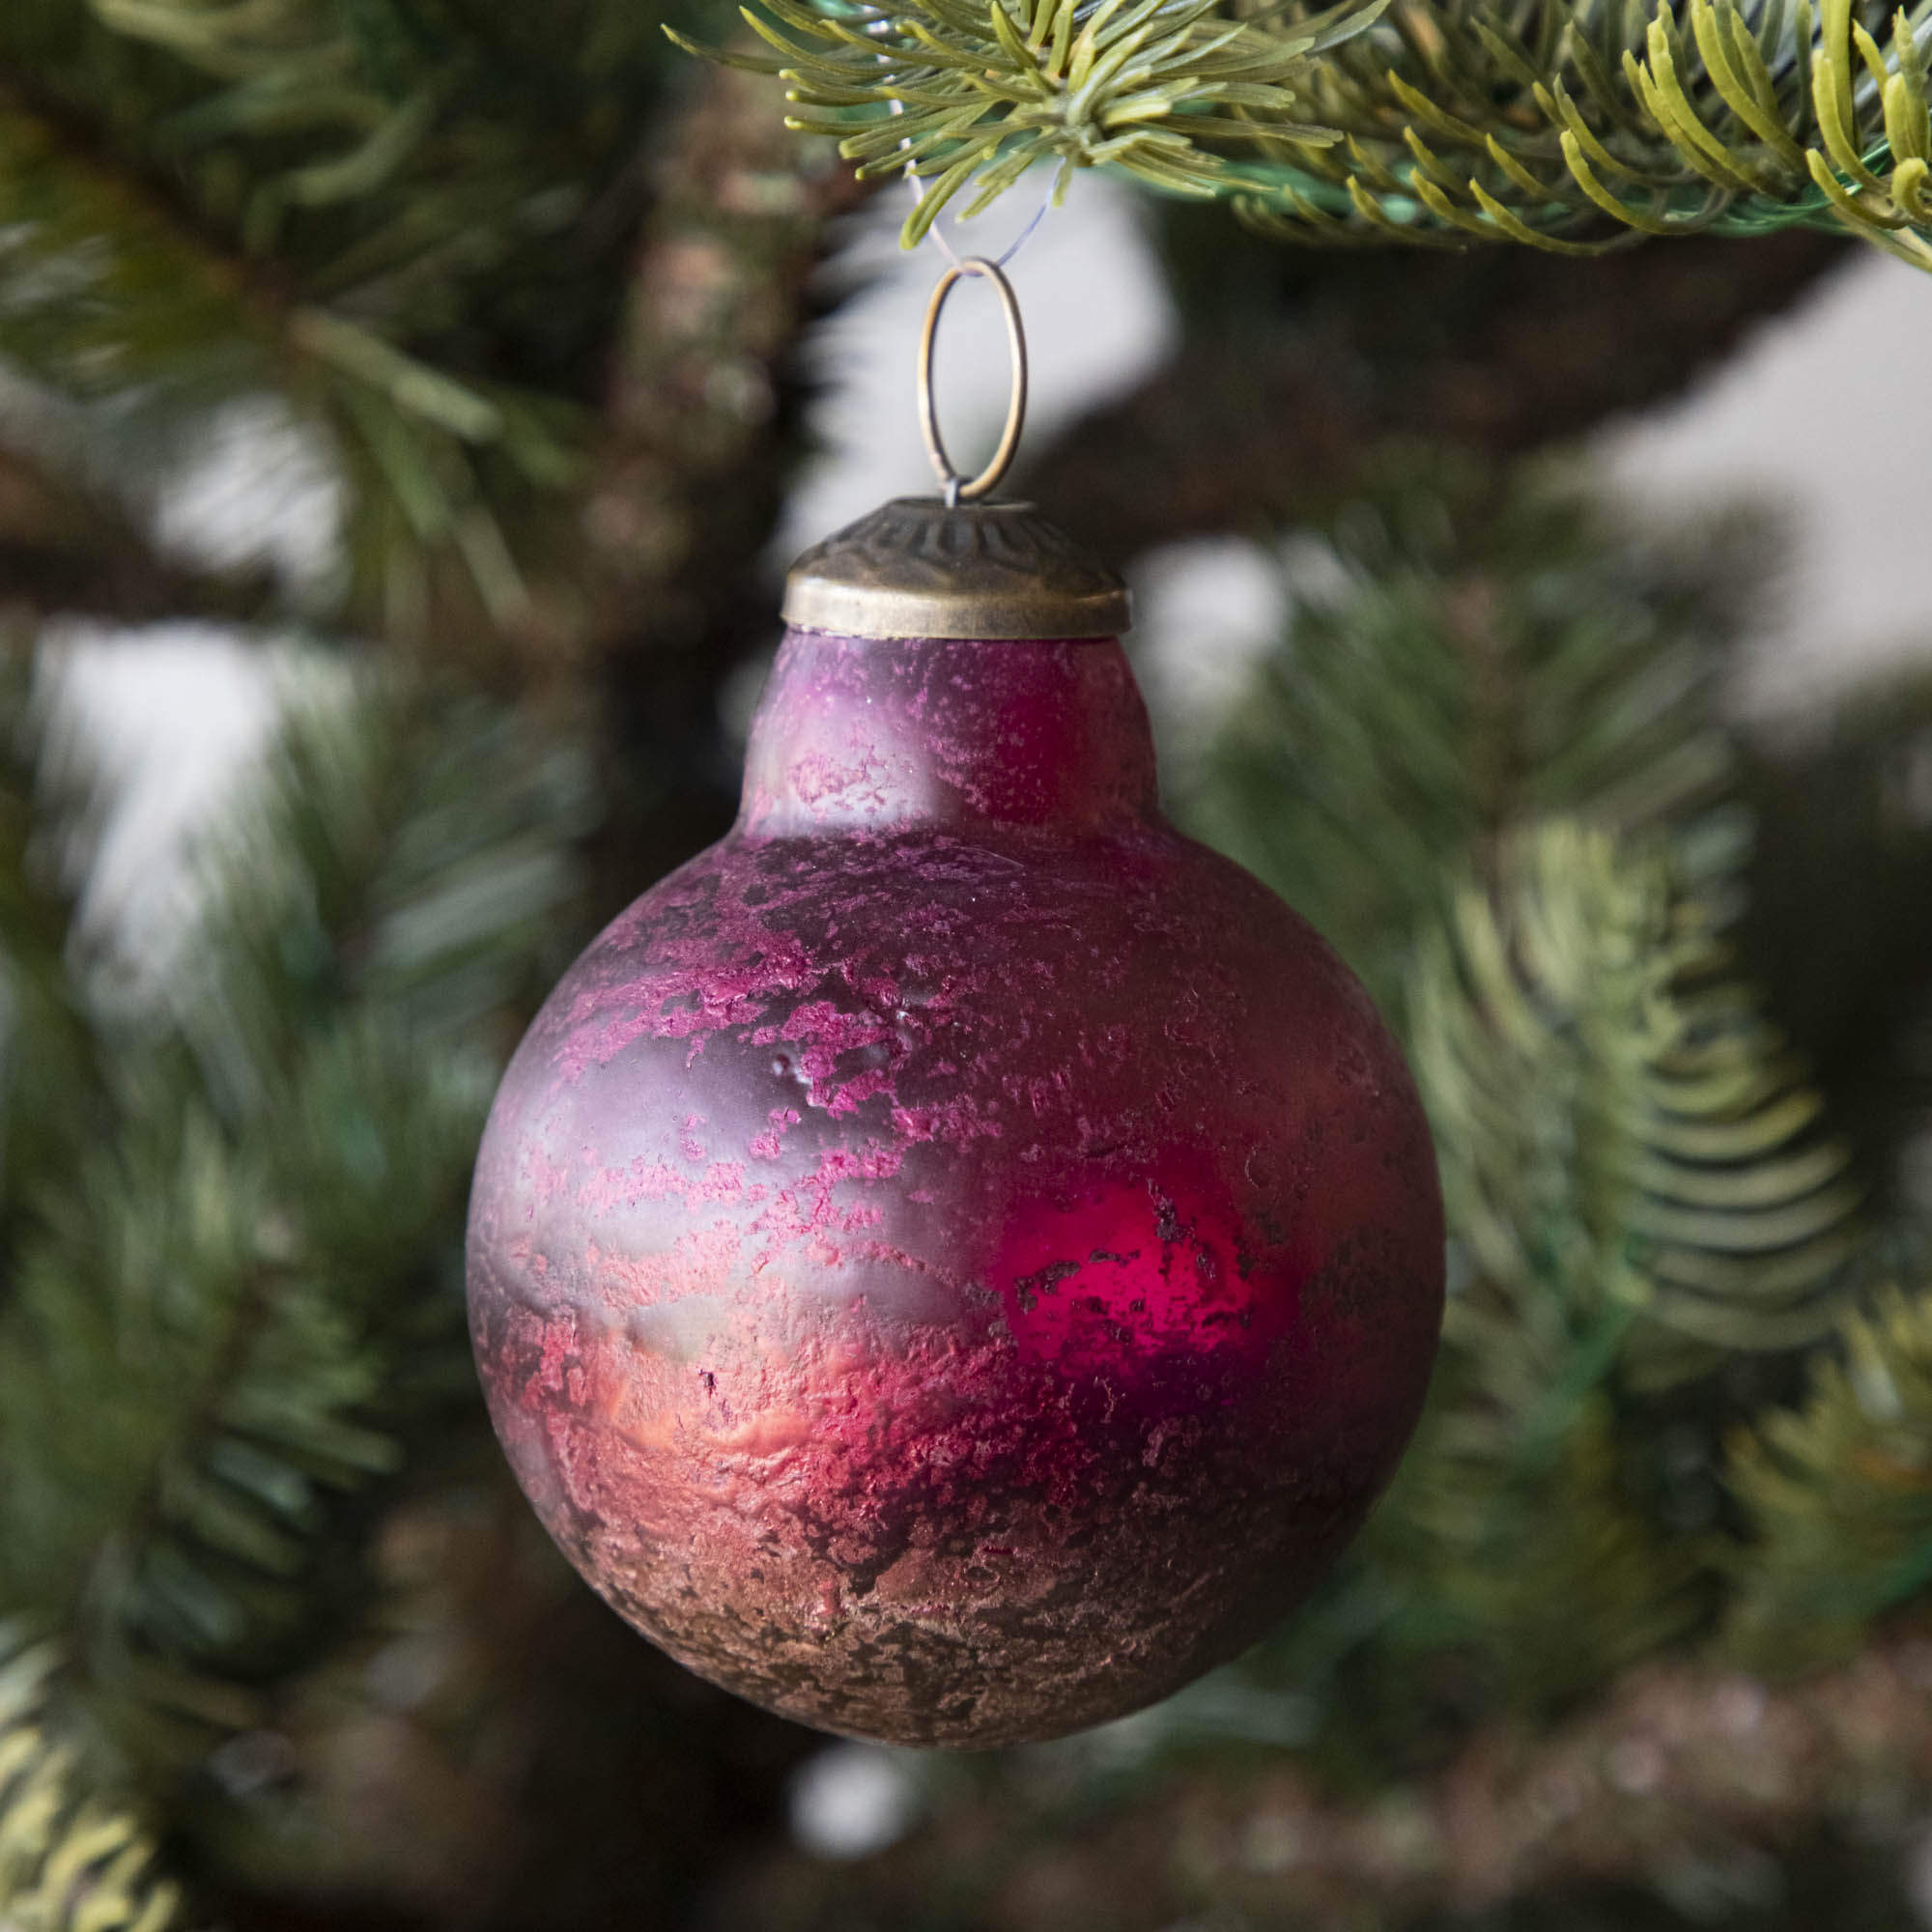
(957,1259)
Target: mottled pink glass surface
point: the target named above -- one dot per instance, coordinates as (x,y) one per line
(957,1259)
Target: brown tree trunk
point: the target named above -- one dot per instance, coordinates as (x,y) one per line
(663,598)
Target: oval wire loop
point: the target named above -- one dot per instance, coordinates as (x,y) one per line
(960,489)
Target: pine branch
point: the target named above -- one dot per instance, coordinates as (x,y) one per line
(411,232)
(1573,124)
(435,236)
(463,172)
(1519,1564)
(240,1313)
(1840,827)
(978,94)
(410,856)
(112,303)
(1479,649)
(1670,1173)
(1838,1495)
(108,295)
(1569,124)
(67,1862)
(1634,1182)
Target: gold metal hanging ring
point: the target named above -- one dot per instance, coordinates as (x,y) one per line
(959,489)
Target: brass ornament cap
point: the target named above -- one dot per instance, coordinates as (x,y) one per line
(916,567)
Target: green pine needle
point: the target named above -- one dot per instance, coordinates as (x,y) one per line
(1669,1170)
(1838,1493)
(408,232)
(238,1306)
(69,1863)
(1467,651)
(975,91)
(1565,124)
(116,306)
(1579,125)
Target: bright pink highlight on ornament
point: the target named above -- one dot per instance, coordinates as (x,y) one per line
(957,1259)
(1137,1269)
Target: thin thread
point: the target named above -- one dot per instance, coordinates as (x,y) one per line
(937,234)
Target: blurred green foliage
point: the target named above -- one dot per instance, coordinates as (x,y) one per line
(67,1865)
(274,1619)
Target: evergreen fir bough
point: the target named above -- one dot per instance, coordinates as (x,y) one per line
(1568,125)
(1838,1493)
(68,1864)
(1536,123)
(405,176)
(237,1304)
(1679,1180)
(965,93)
(1470,649)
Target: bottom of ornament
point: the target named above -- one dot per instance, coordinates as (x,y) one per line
(953,1547)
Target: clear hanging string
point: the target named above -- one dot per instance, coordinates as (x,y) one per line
(937,234)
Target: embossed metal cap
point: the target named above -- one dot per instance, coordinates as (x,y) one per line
(918,568)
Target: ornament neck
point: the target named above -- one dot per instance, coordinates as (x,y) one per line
(871,734)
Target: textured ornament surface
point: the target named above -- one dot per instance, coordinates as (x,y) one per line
(957,1259)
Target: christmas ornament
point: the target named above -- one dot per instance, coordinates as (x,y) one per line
(957,1259)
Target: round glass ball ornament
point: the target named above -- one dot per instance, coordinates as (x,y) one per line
(957,1259)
